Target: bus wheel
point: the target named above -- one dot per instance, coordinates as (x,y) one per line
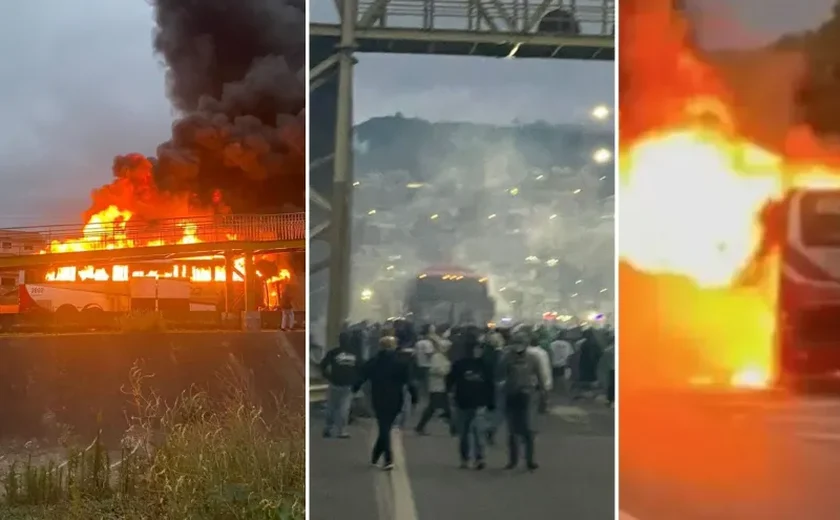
(66,315)
(93,316)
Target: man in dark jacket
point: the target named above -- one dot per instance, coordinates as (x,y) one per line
(473,384)
(522,376)
(389,378)
(406,353)
(342,368)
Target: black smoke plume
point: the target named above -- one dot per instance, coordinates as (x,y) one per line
(235,73)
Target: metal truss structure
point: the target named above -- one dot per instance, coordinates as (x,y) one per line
(554,29)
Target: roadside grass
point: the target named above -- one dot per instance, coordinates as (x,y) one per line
(195,458)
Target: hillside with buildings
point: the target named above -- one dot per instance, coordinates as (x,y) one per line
(529,205)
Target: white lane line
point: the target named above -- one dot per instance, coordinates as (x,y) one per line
(626,516)
(404,507)
(381,485)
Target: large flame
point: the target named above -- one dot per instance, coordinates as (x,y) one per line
(107,230)
(698,282)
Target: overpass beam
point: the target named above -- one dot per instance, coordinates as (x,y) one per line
(250,282)
(339,300)
(230,297)
(316,232)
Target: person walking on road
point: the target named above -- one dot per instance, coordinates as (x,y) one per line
(561,352)
(473,384)
(423,351)
(439,368)
(342,368)
(609,365)
(523,377)
(390,378)
(544,363)
(406,353)
(494,352)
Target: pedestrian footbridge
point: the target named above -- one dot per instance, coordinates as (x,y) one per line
(116,237)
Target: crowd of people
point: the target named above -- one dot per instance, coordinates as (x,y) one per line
(475,379)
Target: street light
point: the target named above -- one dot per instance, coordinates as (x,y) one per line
(600,112)
(602,156)
(367,294)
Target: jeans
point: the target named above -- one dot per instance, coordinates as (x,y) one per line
(382,446)
(437,401)
(287,319)
(518,412)
(471,428)
(339,400)
(497,417)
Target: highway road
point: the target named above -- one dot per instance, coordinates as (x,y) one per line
(575,479)
(767,456)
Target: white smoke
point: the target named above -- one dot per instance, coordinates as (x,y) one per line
(491,203)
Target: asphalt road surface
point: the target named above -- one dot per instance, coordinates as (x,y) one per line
(773,457)
(575,479)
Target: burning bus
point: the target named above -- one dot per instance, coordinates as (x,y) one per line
(449,294)
(808,332)
(103,281)
(188,285)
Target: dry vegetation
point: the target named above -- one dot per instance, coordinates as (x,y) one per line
(193,459)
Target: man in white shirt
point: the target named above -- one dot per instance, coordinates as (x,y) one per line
(544,364)
(561,351)
(423,351)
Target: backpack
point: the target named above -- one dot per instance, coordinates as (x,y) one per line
(520,374)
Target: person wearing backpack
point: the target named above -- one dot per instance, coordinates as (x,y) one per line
(522,376)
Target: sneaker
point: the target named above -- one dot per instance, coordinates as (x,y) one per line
(388,467)
(510,465)
(343,435)
(533,466)
(479,465)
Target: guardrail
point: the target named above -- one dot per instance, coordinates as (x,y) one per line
(594,17)
(121,234)
(317,393)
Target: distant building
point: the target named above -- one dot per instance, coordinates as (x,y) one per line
(19,242)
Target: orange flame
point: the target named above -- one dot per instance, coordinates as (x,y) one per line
(106,230)
(694,275)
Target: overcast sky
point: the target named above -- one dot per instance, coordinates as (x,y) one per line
(82,85)
(475,89)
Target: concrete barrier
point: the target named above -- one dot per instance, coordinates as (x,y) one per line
(78,379)
(317,392)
